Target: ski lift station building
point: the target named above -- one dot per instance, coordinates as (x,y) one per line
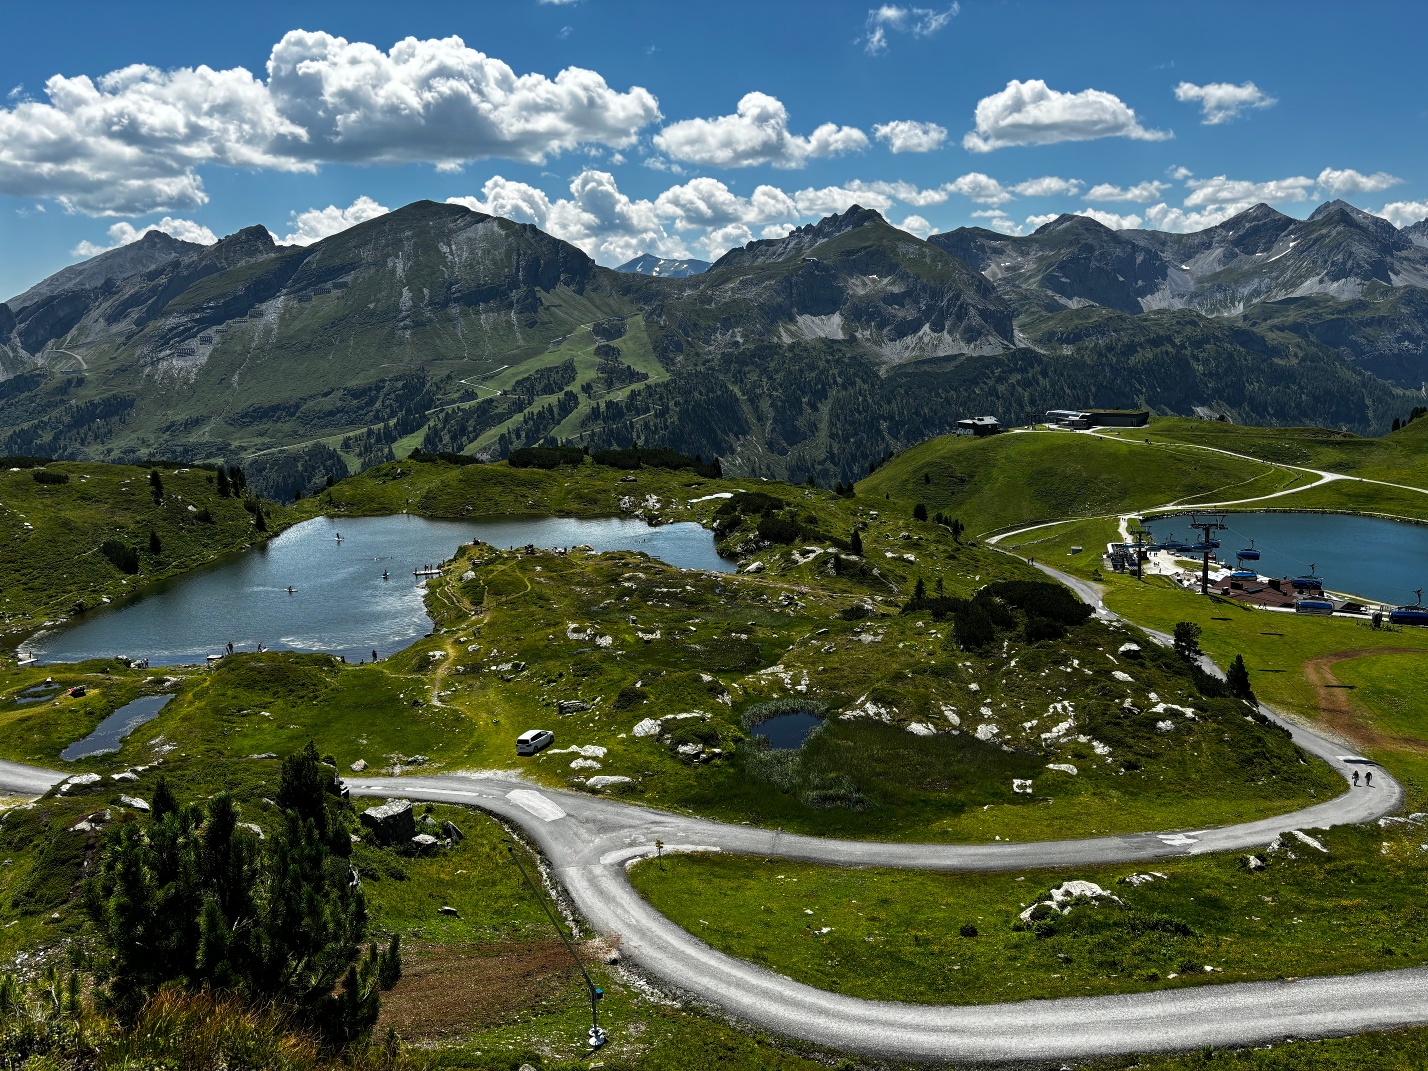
(1099,418)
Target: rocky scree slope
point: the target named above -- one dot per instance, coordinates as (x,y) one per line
(1231,271)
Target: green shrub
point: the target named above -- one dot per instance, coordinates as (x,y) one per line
(48,476)
(779,530)
(124,557)
(545,457)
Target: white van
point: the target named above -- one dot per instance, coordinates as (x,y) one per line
(534,740)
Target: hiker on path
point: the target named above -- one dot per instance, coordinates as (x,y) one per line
(1356,779)
(1368,779)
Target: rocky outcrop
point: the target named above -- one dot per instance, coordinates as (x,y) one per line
(391,823)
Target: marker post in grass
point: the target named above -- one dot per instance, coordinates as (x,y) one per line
(596,1034)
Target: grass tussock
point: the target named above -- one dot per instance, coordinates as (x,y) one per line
(50,1025)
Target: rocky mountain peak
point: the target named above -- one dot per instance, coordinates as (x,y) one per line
(1343,214)
(1071,221)
(662,268)
(802,240)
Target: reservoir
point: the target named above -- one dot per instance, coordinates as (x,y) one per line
(1369,557)
(340,604)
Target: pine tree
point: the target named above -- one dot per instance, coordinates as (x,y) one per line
(1187,640)
(225,489)
(191,899)
(855,543)
(155,547)
(1239,680)
(919,512)
(156,485)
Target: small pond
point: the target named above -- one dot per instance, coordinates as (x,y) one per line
(340,602)
(38,693)
(109,732)
(1370,557)
(787,732)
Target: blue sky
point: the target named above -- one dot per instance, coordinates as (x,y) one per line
(685,129)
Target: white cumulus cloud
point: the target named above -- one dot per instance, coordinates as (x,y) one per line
(318,223)
(1141,192)
(1048,186)
(894,18)
(1404,213)
(832,199)
(907,192)
(438,101)
(134,140)
(998,220)
(1222,101)
(1347,182)
(1111,219)
(1165,217)
(981,188)
(907,135)
(915,224)
(124,233)
(707,202)
(1221,190)
(1032,113)
(757,133)
(597,217)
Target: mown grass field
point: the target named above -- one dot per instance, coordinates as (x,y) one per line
(1398,457)
(899,935)
(1023,478)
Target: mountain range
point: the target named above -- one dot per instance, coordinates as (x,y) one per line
(814,354)
(649,264)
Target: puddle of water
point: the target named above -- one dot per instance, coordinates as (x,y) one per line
(38,693)
(787,732)
(113,729)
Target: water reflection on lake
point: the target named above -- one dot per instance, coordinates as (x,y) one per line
(785,732)
(1366,556)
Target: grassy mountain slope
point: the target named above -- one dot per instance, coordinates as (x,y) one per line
(1398,457)
(812,354)
(50,534)
(1011,480)
(723,645)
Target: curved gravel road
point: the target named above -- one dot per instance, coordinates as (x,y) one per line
(589,841)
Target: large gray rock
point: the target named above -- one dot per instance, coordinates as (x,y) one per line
(391,823)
